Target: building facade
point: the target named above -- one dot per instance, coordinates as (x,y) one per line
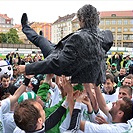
(119,22)
(62,27)
(6,23)
(121,25)
(44,27)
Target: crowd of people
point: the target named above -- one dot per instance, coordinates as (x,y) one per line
(70,90)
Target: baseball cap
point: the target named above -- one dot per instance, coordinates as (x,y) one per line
(113,64)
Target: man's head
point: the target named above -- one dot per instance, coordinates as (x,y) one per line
(114,67)
(127,81)
(109,84)
(88,16)
(127,57)
(121,110)
(5,80)
(123,71)
(125,91)
(15,70)
(29,115)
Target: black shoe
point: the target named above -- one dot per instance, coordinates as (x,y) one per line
(24,19)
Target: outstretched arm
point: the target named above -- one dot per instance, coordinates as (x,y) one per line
(101,101)
(20,90)
(51,121)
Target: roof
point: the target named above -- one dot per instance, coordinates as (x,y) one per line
(16,26)
(5,16)
(117,13)
(65,18)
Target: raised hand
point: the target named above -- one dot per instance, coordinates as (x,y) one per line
(24,19)
(67,85)
(21,69)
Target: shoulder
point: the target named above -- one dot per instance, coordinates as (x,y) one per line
(5,105)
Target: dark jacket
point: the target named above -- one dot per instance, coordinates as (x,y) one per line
(10,89)
(80,55)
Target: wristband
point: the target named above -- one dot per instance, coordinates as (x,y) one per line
(26,81)
(65,104)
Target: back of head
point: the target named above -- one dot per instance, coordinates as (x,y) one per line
(26,115)
(89,15)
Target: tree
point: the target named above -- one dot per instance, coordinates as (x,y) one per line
(10,37)
(3,38)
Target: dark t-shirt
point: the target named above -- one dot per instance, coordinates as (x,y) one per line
(10,89)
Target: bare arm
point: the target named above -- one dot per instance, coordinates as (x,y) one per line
(69,90)
(48,80)
(101,101)
(88,88)
(19,91)
(17,94)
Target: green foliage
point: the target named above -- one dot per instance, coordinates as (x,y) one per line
(3,38)
(10,37)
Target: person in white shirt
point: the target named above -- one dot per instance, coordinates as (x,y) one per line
(109,91)
(121,112)
(6,104)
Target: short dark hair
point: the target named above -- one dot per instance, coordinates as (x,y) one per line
(110,76)
(26,115)
(127,87)
(89,15)
(6,76)
(127,109)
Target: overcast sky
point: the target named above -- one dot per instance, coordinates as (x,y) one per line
(49,10)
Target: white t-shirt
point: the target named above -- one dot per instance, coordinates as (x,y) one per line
(130,123)
(18,130)
(84,116)
(9,122)
(4,108)
(105,128)
(110,98)
(55,96)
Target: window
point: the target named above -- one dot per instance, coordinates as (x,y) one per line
(118,44)
(131,37)
(131,21)
(125,37)
(114,36)
(102,22)
(113,15)
(113,29)
(119,29)
(113,22)
(128,44)
(128,37)
(107,22)
(119,22)
(131,29)
(125,29)
(125,44)
(125,22)
(119,37)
